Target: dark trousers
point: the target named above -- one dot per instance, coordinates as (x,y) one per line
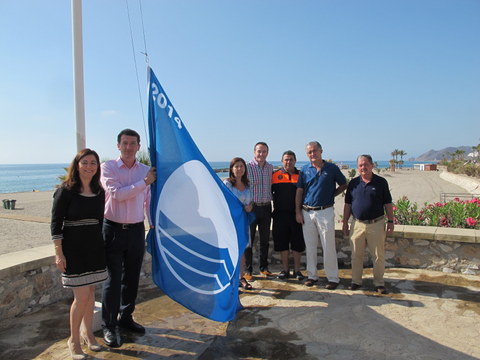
(263,218)
(124,251)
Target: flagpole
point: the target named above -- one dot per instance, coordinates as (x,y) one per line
(78,87)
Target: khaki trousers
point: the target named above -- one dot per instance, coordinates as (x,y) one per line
(373,236)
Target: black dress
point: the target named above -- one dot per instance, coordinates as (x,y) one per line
(77,220)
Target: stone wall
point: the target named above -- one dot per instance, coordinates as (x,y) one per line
(420,247)
(29,279)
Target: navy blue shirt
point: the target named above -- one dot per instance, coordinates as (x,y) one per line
(319,186)
(368,199)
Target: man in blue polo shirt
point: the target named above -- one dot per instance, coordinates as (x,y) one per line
(316,191)
(368,198)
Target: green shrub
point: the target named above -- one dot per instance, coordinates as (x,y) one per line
(455,213)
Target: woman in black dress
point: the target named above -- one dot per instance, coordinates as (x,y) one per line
(77,216)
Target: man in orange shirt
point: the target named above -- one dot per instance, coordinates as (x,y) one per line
(287,232)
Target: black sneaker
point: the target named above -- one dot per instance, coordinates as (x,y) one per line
(299,276)
(284,275)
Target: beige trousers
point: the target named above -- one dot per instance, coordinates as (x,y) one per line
(373,236)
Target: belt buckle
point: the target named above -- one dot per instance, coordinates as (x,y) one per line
(124,226)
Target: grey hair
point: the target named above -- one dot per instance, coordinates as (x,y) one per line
(312,143)
(366,156)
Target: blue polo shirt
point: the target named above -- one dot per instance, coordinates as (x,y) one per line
(319,186)
(368,199)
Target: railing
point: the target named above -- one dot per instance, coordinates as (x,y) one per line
(450,196)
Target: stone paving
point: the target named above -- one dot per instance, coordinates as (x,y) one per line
(426,315)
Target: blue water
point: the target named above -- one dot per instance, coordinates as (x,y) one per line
(30,177)
(44,177)
(351,165)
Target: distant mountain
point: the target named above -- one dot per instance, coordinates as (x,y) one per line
(436,155)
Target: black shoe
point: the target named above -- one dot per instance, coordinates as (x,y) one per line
(112,337)
(381,290)
(354,287)
(131,326)
(331,285)
(284,275)
(298,275)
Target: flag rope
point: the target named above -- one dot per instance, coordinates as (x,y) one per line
(136,67)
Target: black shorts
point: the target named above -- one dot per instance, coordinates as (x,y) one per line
(287,232)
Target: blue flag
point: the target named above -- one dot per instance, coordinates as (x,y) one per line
(201,229)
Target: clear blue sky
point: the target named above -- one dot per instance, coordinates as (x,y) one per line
(358,76)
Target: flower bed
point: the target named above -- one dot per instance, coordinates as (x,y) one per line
(455,213)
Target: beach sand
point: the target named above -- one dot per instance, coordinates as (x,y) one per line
(28,226)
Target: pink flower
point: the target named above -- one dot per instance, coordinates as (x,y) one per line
(471,221)
(443,221)
(394,208)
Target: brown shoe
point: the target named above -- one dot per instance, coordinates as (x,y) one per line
(381,290)
(248,276)
(310,282)
(331,285)
(266,273)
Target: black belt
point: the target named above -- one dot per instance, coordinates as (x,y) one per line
(263,204)
(314,208)
(122,226)
(373,221)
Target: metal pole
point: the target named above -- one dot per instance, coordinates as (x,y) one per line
(78,88)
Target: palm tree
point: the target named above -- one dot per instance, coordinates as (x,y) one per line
(394,160)
(459,154)
(476,152)
(144,157)
(402,154)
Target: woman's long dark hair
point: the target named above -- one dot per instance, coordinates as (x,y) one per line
(231,177)
(72,179)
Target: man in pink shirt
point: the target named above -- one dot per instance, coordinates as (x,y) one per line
(127,196)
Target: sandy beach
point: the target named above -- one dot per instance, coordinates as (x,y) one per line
(28,226)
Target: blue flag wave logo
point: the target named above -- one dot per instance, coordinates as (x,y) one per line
(201,229)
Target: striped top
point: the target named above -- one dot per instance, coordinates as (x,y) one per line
(260,181)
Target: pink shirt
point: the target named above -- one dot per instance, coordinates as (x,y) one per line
(127,197)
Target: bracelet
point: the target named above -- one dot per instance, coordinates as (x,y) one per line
(390,221)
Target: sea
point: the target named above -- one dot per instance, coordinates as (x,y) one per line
(44,177)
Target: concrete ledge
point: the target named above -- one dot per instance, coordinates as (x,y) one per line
(419,232)
(428,233)
(26,260)
(457,235)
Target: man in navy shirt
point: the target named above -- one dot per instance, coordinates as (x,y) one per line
(368,198)
(316,191)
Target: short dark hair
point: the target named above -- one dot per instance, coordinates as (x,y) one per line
(311,143)
(128,132)
(291,153)
(260,143)
(366,156)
